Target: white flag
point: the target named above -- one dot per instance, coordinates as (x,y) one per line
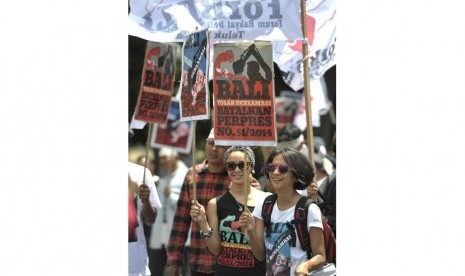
(321,37)
(319,102)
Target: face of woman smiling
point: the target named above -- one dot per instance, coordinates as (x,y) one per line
(281,181)
(237,175)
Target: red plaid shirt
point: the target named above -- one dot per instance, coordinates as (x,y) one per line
(209,185)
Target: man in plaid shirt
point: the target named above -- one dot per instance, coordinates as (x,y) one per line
(211,180)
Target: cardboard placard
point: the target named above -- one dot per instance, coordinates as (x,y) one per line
(195,97)
(156,88)
(175,134)
(244,110)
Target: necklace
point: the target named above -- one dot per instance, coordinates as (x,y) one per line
(238,204)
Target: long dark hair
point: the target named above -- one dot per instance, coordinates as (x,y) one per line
(302,169)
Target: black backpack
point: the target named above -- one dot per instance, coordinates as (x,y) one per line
(300,222)
(327,193)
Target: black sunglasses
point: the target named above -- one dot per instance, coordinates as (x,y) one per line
(282,168)
(231,166)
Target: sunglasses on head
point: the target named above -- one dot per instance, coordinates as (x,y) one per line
(282,168)
(231,166)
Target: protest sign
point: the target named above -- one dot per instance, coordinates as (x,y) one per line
(286,108)
(227,20)
(195,97)
(244,102)
(175,134)
(157,83)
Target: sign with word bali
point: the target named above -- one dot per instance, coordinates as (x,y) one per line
(195,97)
(244,94)
(157,83)
(175,134)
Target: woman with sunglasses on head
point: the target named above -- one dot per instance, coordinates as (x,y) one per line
(220,227)
(288,171)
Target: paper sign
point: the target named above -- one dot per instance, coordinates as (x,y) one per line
(195,97)
(175,134)
(244,94)
(157,83)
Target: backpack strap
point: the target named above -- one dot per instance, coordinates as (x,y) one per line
(300,221)
(304,237)
(267,208)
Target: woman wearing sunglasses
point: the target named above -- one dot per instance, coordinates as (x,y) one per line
(221,228)
(288,171)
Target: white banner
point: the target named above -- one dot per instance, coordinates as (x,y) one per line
(136,124)
(319,103)
(321,37)
(170,21)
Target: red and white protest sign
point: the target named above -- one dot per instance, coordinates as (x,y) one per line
(244,112)
(157,83)
(175,134)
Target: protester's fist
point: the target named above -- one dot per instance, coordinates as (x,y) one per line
(247,221)
(198,212)
(301,269)
(312,191)
(144,193)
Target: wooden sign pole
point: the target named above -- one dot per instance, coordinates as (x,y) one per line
(308,105)
(147,150)
(194,176)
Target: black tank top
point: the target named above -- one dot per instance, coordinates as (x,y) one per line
(236,257)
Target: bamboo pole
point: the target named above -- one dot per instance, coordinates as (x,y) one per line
(194,176)
(147,150)
(246,179)
(308,105)
(246,186)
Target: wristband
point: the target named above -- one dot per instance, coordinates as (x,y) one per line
(206,235)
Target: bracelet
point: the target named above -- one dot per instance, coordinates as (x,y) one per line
(206,235)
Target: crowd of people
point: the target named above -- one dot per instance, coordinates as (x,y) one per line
(217,227)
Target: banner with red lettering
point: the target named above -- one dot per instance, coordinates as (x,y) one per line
(195,97)
(157,83)
(175,134)
(243,94)
(167,21)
